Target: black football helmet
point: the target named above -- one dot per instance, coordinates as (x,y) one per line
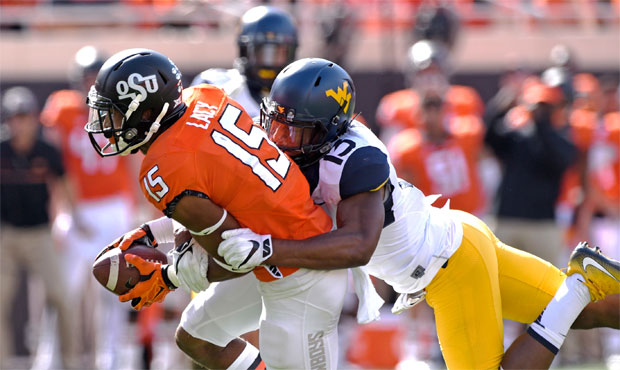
(136,92)
(267,43)
(310,105)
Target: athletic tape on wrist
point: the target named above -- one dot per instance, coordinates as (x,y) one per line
(211,229)
(170,277)
(162,230)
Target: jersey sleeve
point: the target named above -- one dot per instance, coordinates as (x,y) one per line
(50,115)
(61,108)
(168,179)
(404,150)
(366,169)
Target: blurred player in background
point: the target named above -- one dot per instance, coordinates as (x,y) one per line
(468,276)
(202,151)
(267,42)
(428,66)
(531,141)
(105,195)
(441,155)
(33,187)
(598,213)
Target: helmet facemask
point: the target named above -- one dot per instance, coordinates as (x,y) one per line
(304,140)
(296,137)
(264,60)
(121,130)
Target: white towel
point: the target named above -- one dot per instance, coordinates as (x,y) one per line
(369,299)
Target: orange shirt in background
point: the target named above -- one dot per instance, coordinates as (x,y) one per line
(401,108)
(449,168)
(93,176)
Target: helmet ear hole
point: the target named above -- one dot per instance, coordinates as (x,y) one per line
(147,114)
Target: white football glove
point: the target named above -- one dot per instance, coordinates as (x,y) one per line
(243,249)
(191,263)
(407,300)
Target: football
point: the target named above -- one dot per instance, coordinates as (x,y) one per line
(119,276)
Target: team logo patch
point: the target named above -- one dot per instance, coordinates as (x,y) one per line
(341,95)
(137,84)
(418,272)
(274,271)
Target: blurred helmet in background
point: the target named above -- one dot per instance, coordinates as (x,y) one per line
(84,68)
(267,43)
(310,105)
(561,56)
(18,100)
(136,92)
(562,78)
(428,67)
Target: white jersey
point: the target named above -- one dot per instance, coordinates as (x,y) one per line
(417,239)
(234,84)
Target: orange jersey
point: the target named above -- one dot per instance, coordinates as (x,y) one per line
(449,168)
(216,150)
(93,176)
(583,131)
(401,108)
(606,178)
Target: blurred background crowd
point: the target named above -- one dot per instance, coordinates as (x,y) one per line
(508,108)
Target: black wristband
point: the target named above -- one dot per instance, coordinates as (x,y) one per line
(149,235)
(164,275)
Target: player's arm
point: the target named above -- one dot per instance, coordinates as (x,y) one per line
(360,219)
(198,214)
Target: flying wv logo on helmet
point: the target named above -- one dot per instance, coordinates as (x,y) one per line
(138,84)
(341,96)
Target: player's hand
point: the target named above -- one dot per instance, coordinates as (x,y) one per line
(126,240)
(243,249)
(407,300)
(191,263)
(154,284)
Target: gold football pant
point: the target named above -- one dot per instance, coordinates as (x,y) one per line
(485,281)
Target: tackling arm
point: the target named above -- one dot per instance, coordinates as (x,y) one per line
(360,221)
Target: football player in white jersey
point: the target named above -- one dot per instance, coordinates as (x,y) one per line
(470,278)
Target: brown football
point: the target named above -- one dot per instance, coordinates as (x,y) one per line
(119,276)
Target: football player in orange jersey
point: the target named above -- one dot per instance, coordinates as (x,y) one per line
(209,167)
(428,66)
(104,197)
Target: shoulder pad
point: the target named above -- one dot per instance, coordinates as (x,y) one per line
(366,169)
(227,79)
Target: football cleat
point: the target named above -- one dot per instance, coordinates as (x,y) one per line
(601,273)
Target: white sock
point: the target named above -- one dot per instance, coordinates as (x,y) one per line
(552,325)
(246,359)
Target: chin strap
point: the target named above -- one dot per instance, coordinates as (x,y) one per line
(152,130)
